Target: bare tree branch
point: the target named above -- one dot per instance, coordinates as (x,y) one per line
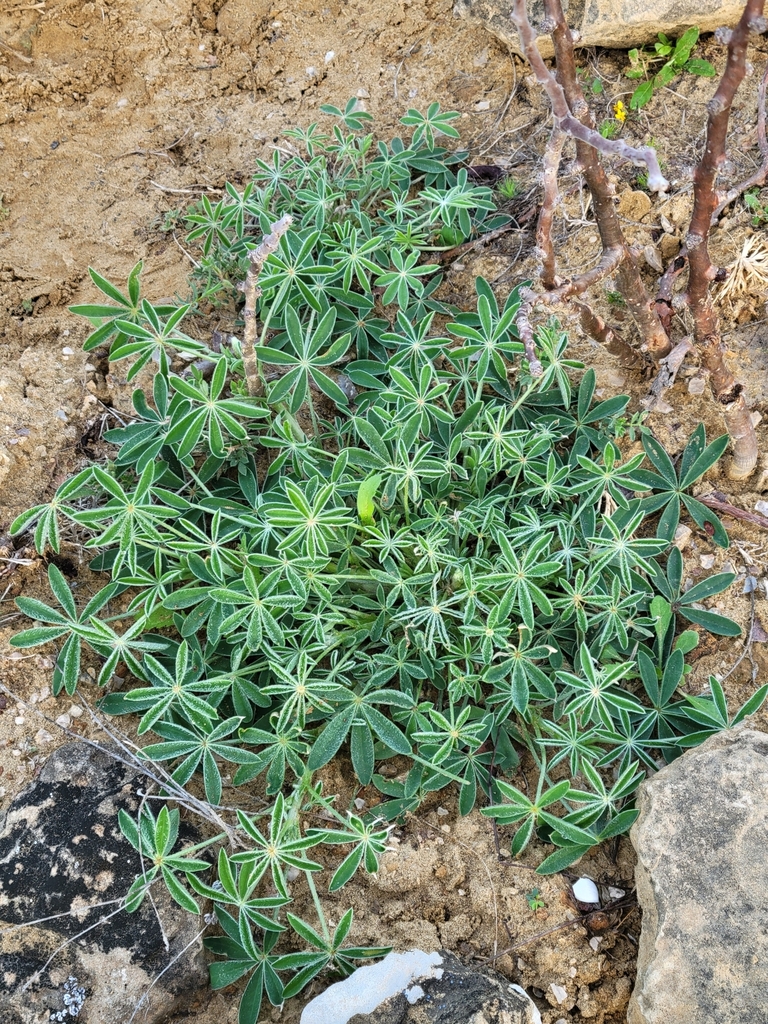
(758,178)
(706,328)
(644,156)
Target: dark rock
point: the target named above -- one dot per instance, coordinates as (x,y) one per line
(701,841)
(61,850)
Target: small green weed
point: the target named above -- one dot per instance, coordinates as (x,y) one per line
(757,207)
(535,900)
(674,57)
(508,188)
(399,545)
(610,128)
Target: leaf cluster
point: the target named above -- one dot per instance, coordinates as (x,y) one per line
(674,57)
(405,550)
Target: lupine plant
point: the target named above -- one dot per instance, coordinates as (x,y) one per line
(399,547)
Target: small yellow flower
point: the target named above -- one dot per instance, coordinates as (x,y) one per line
(620,111)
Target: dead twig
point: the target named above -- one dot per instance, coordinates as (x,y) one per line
(16,54)
(719,503)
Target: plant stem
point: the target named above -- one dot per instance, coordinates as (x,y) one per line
(252,291)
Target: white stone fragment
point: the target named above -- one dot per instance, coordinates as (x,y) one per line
(64,721)
(585,891)
(414,994)
(682,537)
(369,986)
(75,711)
(560,993)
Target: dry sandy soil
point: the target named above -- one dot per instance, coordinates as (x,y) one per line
(114,113)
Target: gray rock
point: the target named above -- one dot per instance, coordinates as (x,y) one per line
(61,848)
(701,841)
(608,23)
(422,988)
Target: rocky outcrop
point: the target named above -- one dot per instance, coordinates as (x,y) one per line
(422,988)
(61,850)
(701,841)
(605,22)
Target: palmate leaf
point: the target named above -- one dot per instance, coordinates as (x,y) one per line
(429,581)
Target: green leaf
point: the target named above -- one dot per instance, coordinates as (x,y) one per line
(640,97)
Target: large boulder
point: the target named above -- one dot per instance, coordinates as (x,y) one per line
(618,25)
(422,988)
(61,850)
(701,840)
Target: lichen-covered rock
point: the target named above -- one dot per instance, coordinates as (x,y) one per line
(608,23)
(701,841)
(422,988)
(61,849)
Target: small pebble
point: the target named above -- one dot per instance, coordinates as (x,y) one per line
(585,891)
(64,721)
(441,812)
(707,561)
(595,942)
(359,802)
(42,736)
(560,993)
(682,537)
(329,56)
(75,711)
(19,720)
(67,351)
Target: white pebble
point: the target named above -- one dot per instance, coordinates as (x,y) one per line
(585,891)
(67,351)
(707,561)
(616,894)
(19,720)
(42,736)
(560,993)
(595,942)
(329,56)
(64,721)
(441,812)
(16,753)
(75,711)
(359,803)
